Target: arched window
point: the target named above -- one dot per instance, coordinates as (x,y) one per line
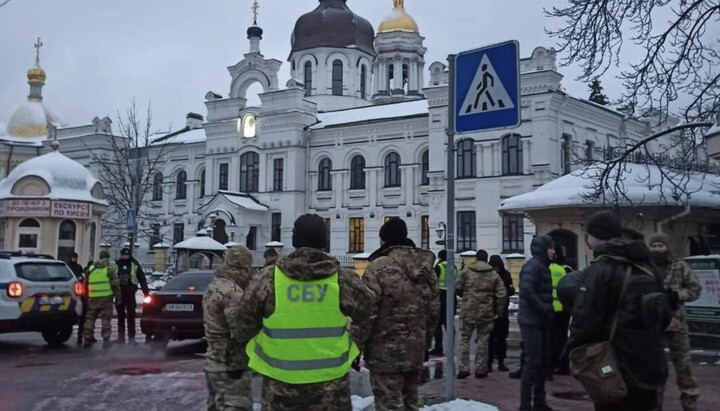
(337,78)
(512,155)
(201,193)
(391,76)
(466,167)
(28,235)
(249,172)
(425,167)
(392,170)
(324,177)
(308,78)
(357,173)
(66,240)
(363,81)
(180,185)
(405,77)
(157,191)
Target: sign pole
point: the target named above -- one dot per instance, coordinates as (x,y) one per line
(450,241)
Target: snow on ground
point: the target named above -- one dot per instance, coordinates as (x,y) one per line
(460,405)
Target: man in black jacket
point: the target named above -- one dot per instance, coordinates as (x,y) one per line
(535,317)
(639,341)
(130,274)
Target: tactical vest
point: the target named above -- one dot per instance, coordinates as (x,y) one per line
(305,340)
(99,283)
(133,273)
(557,272)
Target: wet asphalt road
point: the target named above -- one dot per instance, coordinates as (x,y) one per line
(35,377)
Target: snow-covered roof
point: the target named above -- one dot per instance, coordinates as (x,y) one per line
(641,187)
(274,244)
(25,141)
(31,119)
(184,136)
(67,179)
(232,244)
(241,199)
(371,113)
(200,243)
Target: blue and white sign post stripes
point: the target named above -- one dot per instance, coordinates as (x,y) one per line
(130,220)
(483,94)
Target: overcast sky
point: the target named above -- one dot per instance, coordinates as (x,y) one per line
(98,55)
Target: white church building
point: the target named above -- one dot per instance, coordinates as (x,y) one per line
(357,135)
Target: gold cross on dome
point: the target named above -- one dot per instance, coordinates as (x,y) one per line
(37,46)
(255,8)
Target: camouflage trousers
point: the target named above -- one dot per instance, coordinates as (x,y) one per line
(398,391)
(229,391)
(467,329)
(323,396)
(679,344)
(98,307)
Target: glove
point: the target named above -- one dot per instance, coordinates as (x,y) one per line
(356,364)
(673,299)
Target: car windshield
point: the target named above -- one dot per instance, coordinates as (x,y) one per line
(33,271)
(189,282)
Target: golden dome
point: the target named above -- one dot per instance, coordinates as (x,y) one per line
(36,75)
(398,20)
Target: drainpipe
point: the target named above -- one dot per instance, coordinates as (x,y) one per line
(684,213)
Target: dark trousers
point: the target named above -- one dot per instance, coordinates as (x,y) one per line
(637,400)
(126,309)
(532,386)
(443,321)
(83,314)
(558,338)
(497,347)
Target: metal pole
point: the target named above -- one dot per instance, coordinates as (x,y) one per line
(450,242)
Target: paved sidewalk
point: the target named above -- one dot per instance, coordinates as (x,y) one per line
(504,393)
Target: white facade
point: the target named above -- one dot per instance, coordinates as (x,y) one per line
(282,171)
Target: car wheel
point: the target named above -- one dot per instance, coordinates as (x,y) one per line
(57,336)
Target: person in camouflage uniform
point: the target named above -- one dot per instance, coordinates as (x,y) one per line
(226,365)
(678,277)
(100,306)
(404,315)
(307,263)
(483,300)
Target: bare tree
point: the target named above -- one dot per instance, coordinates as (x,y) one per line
(677,72)
(127,167)
(4,2)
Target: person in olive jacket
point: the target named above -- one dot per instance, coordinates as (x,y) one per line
(535,317)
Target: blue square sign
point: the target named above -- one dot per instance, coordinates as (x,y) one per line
(487,88)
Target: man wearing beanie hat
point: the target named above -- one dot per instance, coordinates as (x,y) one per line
(678,277)
(405,316)
(294,316)
(226,365)
(102,285)
(605,297)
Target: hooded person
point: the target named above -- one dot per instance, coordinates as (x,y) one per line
(102,285)
(404,317)
(226,364)
(535,316)
(483,300)
(620,283)
(497,346)
(294,317)
(679,278)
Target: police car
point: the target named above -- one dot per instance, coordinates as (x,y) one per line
(38,293)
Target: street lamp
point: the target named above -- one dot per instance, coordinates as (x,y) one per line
(213,216)
(440,230)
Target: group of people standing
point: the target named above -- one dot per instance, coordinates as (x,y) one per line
(108,285)
(636,290)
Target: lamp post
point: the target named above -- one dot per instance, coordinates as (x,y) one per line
(441,231)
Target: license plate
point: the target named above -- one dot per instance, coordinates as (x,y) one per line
(51,301)
(179,307)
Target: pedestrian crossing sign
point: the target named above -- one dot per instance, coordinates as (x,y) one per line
(487,88)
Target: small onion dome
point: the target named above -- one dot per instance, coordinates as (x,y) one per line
(333,24)
(398,20)
(254,31)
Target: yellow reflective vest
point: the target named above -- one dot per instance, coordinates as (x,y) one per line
(442,281)
(557,272)
(305,340)
(99,283)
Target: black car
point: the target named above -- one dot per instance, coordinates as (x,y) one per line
(175,312)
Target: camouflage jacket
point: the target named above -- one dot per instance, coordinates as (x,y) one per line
(304,264)
(678,276)
(407,309)
(220,307)
(483,293)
